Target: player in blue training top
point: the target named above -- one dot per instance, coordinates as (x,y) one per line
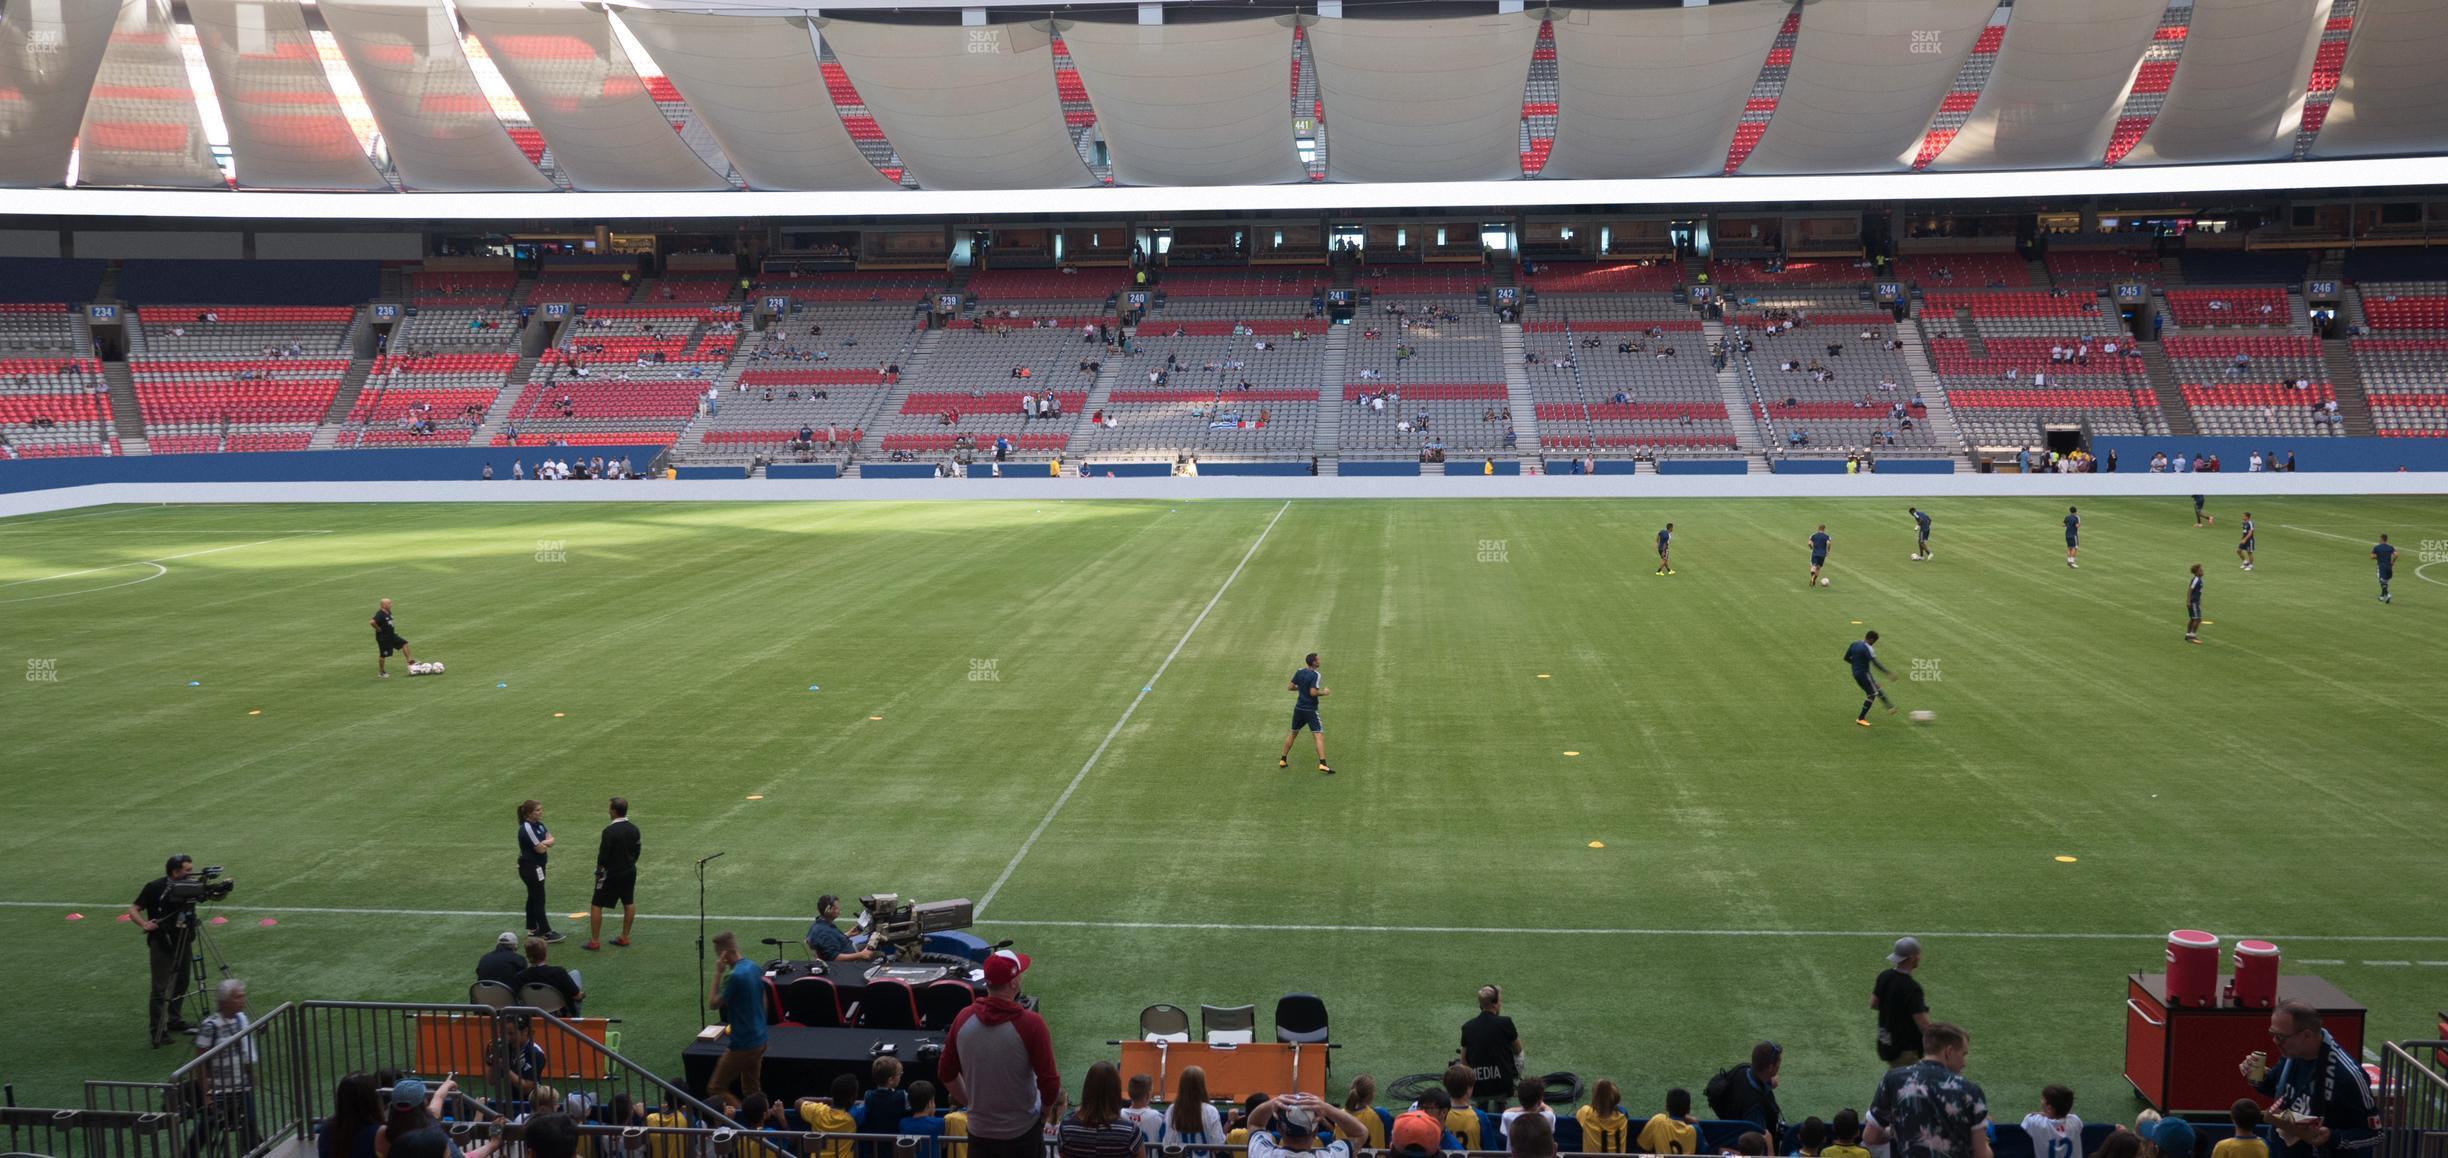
(2073,522)
(1819,548)
(2199,519)
(1862,659)
(2386,557)
(1307,693)
(2193,607)
(2244,546)
(1665,540)
(1921,524)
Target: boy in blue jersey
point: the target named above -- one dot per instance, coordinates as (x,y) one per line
(1862,658)
(2201,520)
(1819,549)
(2193,607)
(2386,557)
(1665,539)
(2073,525)
(2244,546)
(1921,521)
(1307,693)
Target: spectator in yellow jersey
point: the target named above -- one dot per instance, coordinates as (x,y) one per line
(1674,1131)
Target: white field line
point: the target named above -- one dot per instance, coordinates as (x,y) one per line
(1144,689)
(102,909)
(2322,534)
(163,559)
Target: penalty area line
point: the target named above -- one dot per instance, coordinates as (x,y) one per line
(1144,689)
(1270,927)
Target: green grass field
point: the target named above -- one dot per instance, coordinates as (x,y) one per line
(1511,687)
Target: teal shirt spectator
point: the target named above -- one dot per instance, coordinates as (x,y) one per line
(743,1005)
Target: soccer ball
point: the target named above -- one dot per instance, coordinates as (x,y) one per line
(437,667)
(1824,581)
(1916,558)
(1923,717)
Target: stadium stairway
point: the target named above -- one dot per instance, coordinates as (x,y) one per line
(2039,274)
(499,412)
(127,420)
(2346,381)
(1330,396)
(1518,394)
(335,416)
(2171,396)
(1739,410)
(2171,272)
(1940,416)
(2350,308)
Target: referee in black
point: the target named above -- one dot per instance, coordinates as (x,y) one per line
(616,857)
(164,922)
(387,640)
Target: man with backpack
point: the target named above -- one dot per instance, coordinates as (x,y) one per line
(1747,1093)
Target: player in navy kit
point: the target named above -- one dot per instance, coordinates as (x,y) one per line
(2244,546)
(387,640)
(1921,521)
(2386,557)
(1862,658)
(2193,594)
(2200,519)
(1665,537)
(1307,693)
(1819,549)
(2073,525)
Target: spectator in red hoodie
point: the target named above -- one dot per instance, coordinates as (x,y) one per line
(998,1059)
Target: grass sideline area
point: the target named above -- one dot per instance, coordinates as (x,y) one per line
(1512,687)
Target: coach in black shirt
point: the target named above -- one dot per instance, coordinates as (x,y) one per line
(1902,1011)
(1492,1048)
(163,923)
(616,857)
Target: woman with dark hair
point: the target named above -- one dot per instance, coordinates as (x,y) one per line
(535,842)
(357,1115)
(1192,1118)
(1097,1128)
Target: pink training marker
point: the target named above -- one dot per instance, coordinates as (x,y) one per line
(76,916)
(124,918)
(267,922)
(219,921)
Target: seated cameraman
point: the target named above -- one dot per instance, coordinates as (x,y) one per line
(826,943)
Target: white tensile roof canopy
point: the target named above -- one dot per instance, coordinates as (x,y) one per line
(530,96)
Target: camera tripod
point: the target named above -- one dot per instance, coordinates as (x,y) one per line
(193,943)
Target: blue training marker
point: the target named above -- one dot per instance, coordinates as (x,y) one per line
(814,688)
(501,685)
(194,684)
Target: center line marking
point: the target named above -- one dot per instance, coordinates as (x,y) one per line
(1144,689)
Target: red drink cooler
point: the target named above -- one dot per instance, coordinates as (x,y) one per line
(2192,968)
(2256,974)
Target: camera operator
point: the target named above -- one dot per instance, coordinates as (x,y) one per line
(826,943)
(165,923)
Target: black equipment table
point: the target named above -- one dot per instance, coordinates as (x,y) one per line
(802,1062)
(851,978)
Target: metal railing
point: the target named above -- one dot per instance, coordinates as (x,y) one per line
(2413,1100)
(88,1133)
(273,1084)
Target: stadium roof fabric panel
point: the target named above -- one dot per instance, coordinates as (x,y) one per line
(1191,104)
(2060,77)
(755,83)
(2394,86)
(48,57)
(436,124)
(2239,88)
(285,126)
(1437,99)
(1867,76)
(967,108)
(576,84)
(142,126)
(1655,92)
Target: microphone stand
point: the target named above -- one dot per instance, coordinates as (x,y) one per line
(701,926)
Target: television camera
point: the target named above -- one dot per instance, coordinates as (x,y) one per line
(205,884)
(897,929)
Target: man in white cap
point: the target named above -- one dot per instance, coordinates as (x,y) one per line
(998,1059)
(1289,1124)
(504,962)
(1902,1013)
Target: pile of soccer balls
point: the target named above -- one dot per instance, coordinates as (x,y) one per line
(432,668)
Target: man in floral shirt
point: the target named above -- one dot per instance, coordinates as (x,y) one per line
(1929,1109)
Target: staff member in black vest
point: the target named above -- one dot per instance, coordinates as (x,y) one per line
(535,842)
(616,857)
(1492,1048)
(165,923)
